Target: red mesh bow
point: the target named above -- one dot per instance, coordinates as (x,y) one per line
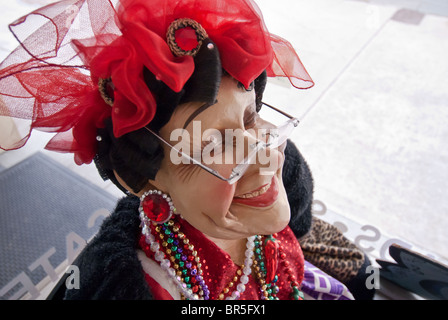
(52,78)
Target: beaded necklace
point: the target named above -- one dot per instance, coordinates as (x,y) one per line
(179,258)
(267,250)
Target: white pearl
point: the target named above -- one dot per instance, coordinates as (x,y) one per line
(240,288)
(155,246)
(171,272)
(159,256)
(247,270)
(165,264)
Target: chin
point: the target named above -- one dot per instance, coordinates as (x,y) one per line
(279,221)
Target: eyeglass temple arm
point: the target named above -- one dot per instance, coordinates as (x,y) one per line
(280,111)
(213,172)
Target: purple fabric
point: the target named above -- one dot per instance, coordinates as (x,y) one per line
(319,285)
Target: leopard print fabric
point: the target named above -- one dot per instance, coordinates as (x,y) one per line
(326,248)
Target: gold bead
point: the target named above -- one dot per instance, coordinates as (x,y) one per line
(158,229)
(175,229)
(235,278)
(176,266)
(226,290)
(221,296)
(179,273)
(230,284)
(181,235)
(168,251)
(164,243)
(170,223)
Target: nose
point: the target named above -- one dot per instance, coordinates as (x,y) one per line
(266,161)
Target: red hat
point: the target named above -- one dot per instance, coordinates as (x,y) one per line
(84,62)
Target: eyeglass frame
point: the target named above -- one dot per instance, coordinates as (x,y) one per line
(235,176)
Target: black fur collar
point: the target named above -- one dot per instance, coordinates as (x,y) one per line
(109,267)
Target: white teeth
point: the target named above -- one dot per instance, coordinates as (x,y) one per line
(255,193)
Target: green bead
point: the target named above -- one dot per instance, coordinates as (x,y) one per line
(174,248)
(167,231)
(170,240)
(177,256)
(187,279)
(181,264)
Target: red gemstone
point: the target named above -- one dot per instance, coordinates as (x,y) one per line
(156,208)
(186,38)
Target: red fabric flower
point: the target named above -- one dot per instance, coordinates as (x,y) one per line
(52,78)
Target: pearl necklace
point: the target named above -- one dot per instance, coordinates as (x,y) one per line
(179,266)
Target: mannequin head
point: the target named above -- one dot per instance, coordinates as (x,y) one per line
(255,204)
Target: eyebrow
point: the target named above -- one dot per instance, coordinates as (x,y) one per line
(247,111)
(198,111)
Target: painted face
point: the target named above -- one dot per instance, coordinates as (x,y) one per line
(255,204)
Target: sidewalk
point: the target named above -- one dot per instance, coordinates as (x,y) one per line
(373,128)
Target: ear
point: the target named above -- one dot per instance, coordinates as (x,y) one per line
(151,185)
(158,183)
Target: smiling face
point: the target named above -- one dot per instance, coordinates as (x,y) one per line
(255,204)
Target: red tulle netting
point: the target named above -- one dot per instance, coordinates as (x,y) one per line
(51,79)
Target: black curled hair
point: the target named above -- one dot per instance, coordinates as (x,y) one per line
(137,156)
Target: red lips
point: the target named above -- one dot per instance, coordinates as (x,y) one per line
(263,200)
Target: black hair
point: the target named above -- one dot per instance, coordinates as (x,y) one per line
(137,156)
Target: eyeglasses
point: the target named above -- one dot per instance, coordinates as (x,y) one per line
(264,135)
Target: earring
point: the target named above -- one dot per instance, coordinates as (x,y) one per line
(156,206)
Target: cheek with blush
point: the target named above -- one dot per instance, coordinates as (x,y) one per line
(218,195)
